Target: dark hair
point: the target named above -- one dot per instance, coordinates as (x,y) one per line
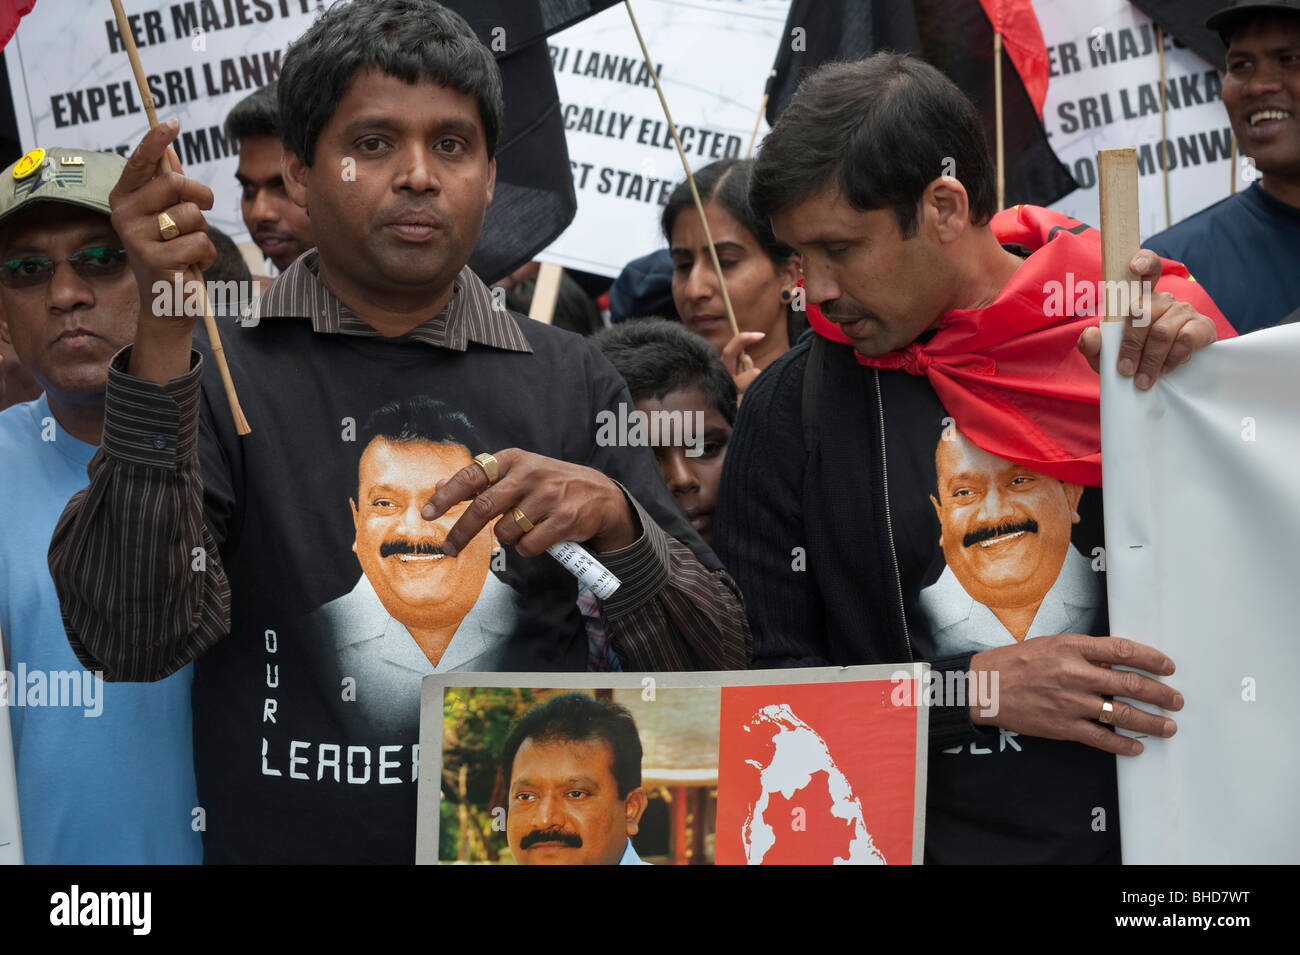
(421,418)
(411,40)
(656,356)
(882,129)
(726,182)
(580,718)
(255,115)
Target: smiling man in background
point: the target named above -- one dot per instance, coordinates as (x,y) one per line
(1245,250)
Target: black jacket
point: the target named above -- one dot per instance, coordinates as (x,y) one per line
(830,566)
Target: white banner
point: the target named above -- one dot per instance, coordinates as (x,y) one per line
(73,85)
(1105,92)
(713,59)
(11,835)
(1202,523)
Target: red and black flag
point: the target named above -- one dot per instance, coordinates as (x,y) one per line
(1184,20)
(957,37)
(11,11)
(534,200)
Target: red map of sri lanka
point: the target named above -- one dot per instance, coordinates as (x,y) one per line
(815,775)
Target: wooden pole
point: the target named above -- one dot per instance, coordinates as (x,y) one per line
(690,178)
(546,290)
(193,274)
(1164,136)
(1232,172)
(1117,179)
(762,108)
(997,119)
(753,137)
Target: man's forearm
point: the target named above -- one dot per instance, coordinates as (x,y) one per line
(162,348)
(137,570)
(672,613)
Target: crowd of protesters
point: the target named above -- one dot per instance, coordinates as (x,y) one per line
(819,504)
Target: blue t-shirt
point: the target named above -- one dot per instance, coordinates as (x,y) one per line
(105,770)
(1245,250)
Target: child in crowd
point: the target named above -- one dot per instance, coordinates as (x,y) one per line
(677,376)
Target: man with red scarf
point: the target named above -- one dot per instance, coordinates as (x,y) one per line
(907,483)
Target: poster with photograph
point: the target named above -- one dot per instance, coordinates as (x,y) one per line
(823,766)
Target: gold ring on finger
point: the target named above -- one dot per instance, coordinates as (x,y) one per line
(521,520)
(1107,713)
(167,227)
(491,469)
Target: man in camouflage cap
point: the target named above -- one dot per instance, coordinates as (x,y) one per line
(105,772)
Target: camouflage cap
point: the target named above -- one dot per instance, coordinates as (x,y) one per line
(79,177)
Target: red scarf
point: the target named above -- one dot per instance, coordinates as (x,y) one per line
(1010,374)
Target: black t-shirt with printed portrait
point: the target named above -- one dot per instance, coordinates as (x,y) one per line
(306,715)
(1014,563)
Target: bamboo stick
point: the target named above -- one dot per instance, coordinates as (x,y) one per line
(193,274)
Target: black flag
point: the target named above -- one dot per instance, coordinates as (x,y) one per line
(953,35)
(1184,20)
(534,200)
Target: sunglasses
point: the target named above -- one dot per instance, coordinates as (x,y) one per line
(97,262)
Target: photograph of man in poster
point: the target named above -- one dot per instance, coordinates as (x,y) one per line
(414,610)
(1005,532)
(573,768)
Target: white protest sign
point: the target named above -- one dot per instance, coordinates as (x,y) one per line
(11,836)
(1201,528)
(73,85)
(1105,91)
(713,59)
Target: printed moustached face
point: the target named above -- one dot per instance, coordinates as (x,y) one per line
(400,552)
(1005,529)
(564,805)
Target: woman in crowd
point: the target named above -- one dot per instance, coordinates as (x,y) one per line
(761,273)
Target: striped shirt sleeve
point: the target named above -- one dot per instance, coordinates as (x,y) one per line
(136,567)
(672,613)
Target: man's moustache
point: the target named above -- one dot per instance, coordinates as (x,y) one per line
(570,839)
(1001,530)
(389,548)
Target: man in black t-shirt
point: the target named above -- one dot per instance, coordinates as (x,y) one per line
(196,543)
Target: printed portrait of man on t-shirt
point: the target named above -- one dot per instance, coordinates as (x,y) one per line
(1011,571)
(414,610)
